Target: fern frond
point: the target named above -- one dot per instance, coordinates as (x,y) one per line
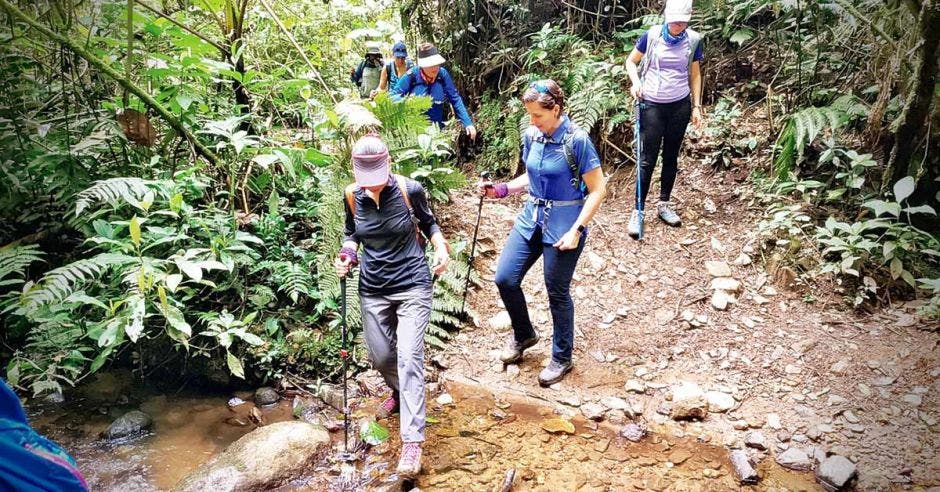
(331,184)
(401,120)
(14,260)
(59,283)
(356,117)
(110,190)
(804,126)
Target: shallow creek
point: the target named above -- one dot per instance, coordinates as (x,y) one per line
(471,445)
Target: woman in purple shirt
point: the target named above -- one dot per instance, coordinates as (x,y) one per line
(668,90)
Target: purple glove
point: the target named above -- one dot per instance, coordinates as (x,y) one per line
(500,190)
(349,253)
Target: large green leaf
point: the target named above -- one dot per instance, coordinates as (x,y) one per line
(135,322)
(235,365)
(903,188)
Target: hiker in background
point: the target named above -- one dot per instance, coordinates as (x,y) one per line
(396,68)
(366,76)
(668,90)
(30,461)
(389,217)
(429,78)
(566,186)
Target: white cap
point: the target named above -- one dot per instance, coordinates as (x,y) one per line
(678,10)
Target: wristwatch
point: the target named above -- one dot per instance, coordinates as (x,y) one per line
(581,229)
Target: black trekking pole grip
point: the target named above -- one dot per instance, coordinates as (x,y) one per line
(485,175)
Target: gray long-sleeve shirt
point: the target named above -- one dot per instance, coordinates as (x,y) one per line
(390,258)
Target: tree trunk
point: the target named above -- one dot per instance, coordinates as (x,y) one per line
(918,97)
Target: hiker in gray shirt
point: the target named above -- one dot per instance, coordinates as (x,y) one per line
(387,221)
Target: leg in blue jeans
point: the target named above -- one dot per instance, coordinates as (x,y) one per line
(516,259)
(559,268)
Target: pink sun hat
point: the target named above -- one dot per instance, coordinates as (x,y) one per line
(370,161)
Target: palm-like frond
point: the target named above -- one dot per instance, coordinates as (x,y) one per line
(14,260)
(57,284)
(111,190)
(805,125)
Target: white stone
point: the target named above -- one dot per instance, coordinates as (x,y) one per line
(634,386)
(719,402)
(717,269)
(721,300)
(614,403)
(726,283)
(773,421)
(742,260)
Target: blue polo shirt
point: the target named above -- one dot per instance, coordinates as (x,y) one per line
(442,90)
(550,179)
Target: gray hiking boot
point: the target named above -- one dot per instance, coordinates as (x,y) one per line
(667,214)
(554,373)
(513,351)
(635,227)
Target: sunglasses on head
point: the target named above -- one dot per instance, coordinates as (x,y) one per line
(541,88)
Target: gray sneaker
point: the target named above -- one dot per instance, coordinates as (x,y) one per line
(667,214)
(554,373)
(513,351)
(635,227)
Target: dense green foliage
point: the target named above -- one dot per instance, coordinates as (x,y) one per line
(122,244)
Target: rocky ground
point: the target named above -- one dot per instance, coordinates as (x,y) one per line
(776,360)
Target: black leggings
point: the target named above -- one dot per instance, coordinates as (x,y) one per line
(662,126)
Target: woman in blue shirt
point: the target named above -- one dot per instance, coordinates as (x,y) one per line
(552,224)
(395,69)
(429,78)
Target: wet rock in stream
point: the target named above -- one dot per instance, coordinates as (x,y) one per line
(130,424)
(265,396)
(264,458)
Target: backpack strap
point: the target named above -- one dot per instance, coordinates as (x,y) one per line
(403,187)
(568,146)
(694,40)
(350,198)
(653,37)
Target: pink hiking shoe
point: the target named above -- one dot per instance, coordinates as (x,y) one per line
(388,407)
(409,465)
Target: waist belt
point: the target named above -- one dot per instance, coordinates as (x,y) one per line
(549,204)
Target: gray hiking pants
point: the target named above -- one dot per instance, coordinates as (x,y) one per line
(393,326)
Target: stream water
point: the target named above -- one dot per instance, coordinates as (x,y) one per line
(471,445)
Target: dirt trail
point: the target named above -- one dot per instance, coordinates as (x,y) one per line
(861,387)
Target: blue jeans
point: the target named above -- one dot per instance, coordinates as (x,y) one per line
(517,257)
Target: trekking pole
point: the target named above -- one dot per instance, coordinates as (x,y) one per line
(639,162)
(344,354)
(485,175)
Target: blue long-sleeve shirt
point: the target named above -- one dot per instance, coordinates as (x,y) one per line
(442,90)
